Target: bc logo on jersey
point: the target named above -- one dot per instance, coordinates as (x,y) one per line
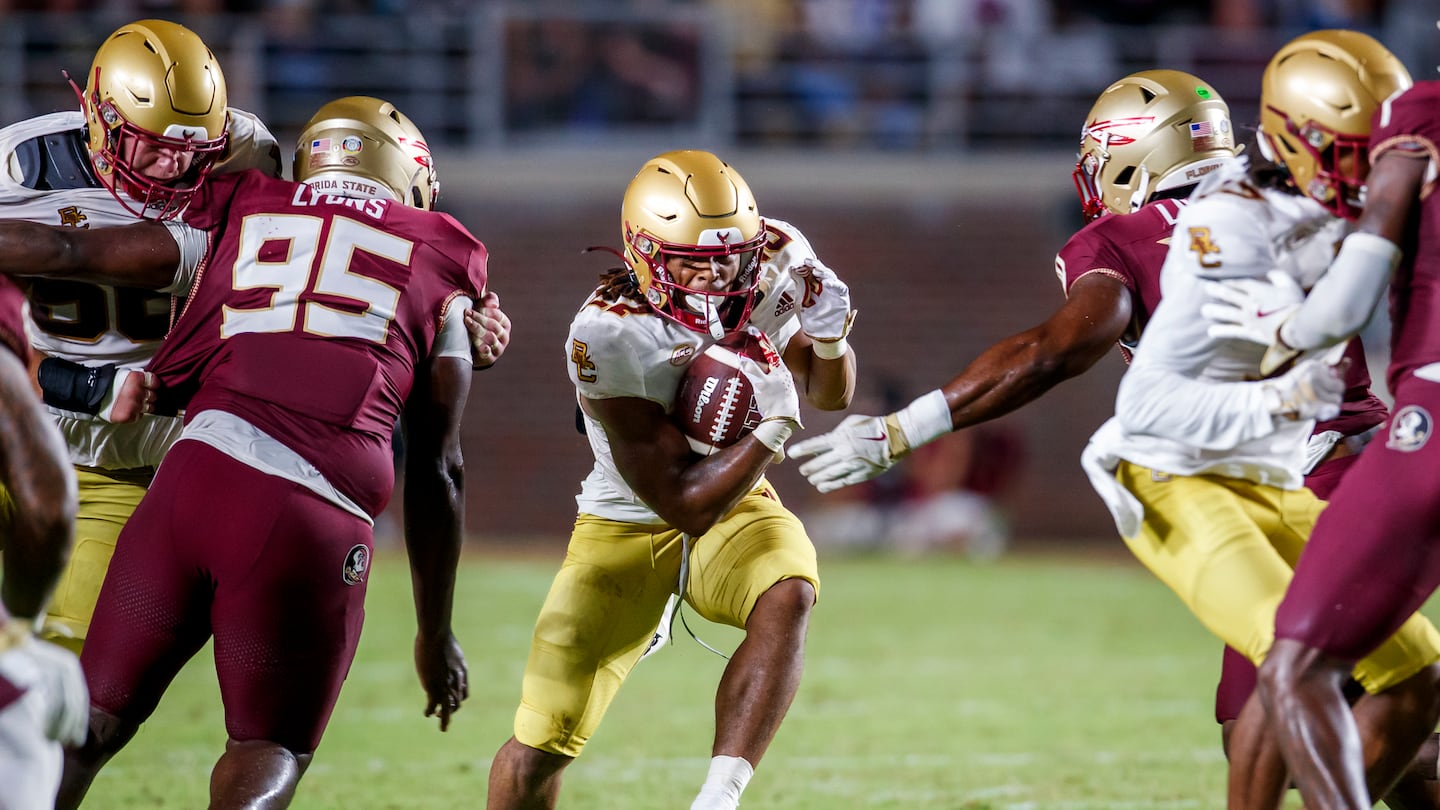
(357,562)
(1410,428)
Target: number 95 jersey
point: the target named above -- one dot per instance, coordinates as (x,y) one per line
(309,316)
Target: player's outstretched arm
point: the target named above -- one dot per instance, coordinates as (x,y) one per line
(1344,298)
(140,255)
(36,470)
(1006,376)
(434,526)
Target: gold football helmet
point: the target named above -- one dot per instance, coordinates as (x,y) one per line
(690,203)
(1152,131)
(154,84)
(359,137)
(1317,98)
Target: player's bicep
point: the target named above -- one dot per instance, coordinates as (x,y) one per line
(1096,313)
(649,450)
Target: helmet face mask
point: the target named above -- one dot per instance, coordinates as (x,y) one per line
(154,92)
(1318,96)
(1151,131)
(365,139)
(692,206)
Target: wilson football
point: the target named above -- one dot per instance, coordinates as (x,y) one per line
(715,404)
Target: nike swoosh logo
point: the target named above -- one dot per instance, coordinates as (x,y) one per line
(882,437)
(1260,313)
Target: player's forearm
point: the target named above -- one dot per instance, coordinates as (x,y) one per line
(41,482)
(1206,415)
(830,384)
(1343,300)
(434,533)
(705,491)
(1013,373)
(140,255)
(30,248)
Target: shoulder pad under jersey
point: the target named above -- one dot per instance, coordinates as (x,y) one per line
(55,161)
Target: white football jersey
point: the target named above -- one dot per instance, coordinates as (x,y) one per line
(1189,403)
(624,349)
(94,324)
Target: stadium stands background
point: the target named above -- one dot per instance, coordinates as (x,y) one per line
(924,147)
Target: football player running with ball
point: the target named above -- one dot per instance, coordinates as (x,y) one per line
(700,263)
(318,314)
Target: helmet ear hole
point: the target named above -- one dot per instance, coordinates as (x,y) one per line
(1125,175)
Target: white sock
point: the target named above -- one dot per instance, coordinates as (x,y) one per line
(723,785)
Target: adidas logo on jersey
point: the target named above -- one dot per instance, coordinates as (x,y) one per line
(785,304)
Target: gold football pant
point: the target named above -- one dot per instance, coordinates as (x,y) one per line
(607,599)
(107,499)
(1227,547)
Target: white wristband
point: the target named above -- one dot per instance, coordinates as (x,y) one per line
(925,419)
(774,432)
(107,405)
(829,349)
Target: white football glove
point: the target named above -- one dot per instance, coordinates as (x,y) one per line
(1254,310)
(857,450)
(825,313)
(775,396)
(862,447)
(54,674)
(1312,389)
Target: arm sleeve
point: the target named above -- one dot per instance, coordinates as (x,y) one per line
(1209,415)
(453,339)
(1345,297)
(194,244)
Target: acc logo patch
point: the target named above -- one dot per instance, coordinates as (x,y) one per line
(682,355)
(1410,428)
(357,564)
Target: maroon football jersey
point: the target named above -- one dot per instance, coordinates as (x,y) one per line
(12,322)
(310,315)
(1411,122)
(1130,248)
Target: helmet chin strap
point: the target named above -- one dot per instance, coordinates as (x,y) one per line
(1137,199)
(709,305)
(1262,142)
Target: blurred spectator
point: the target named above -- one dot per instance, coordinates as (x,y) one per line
(569,72)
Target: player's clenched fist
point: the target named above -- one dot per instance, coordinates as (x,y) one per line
(489,329)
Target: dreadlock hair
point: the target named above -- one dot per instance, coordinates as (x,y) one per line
(619,282)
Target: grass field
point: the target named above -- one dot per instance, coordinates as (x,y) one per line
(1033,682)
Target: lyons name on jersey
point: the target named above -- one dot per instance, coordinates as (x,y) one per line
(328,192)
